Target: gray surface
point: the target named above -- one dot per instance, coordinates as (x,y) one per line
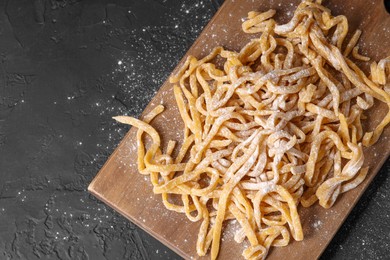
(66,68)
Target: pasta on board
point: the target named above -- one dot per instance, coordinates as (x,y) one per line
(276,126)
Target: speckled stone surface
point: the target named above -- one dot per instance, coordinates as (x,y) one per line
(66,68)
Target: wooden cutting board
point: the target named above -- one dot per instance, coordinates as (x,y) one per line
(120,185)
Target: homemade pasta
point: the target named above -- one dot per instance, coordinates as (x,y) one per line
(276,125)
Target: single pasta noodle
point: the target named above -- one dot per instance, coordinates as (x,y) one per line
(277,125)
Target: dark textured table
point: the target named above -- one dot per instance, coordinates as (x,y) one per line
(66,68)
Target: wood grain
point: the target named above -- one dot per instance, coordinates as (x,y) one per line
(120,186)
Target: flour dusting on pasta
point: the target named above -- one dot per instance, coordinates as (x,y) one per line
(277,125)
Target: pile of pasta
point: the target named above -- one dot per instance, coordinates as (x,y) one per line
(274,125)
